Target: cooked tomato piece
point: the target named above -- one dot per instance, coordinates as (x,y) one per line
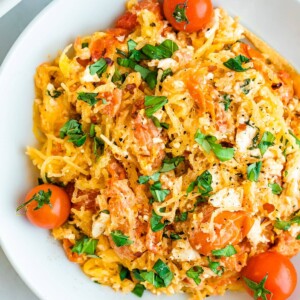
(229,228)
(127,21)
(189,16)
(274,273)
(47,206)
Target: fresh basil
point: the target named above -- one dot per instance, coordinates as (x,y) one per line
(276,188)
(89,98)
(209,143)
(54,94)
(159,124)
(286,225)
(153,278)
(298,237)
(227,251)
(99,67)
(41,197)
(267,141)
(170,164)
(194,273)
(203,182)
(105,211)
(163,272)
(124,272)
(138,290)
(120,239)
(159,194)
(253,171)
(164,50)
(85,245)
(145,179)
(155,222)
(226,101)
(244,86)
(215,267)
(153,104)
(73,130)
(118,77)
(173,236)
(182,217)
(165,74)
(92,130)
(236,63)
(84,45)
(98,147)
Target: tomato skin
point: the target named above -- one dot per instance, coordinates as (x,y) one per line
(199,13)
(282,276)
(47,217)
(231,228)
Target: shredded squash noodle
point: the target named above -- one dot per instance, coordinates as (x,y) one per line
(179,152)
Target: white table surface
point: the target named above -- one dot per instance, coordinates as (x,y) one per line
(11,25)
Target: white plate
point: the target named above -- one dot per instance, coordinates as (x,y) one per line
(7,5)
(34,254)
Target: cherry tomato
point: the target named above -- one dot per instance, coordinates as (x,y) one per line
(230,229)
(188,15)
(47,206)
(276,270)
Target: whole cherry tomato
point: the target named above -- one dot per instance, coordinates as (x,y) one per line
(47,206)
(188,15)
(270,275)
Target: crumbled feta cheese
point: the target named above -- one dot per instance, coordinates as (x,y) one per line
(183,251)
(167,63)
(244,138)
(227,197)
(99,225)
(255,235)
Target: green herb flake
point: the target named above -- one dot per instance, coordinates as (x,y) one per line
(182,217)
(236,64)
(194,273)
(138,290)
(120,239)
(203,182)
(171,163)
(155,222)
(165,74)
(118,77)
(298,237)
(163,272)
(157,192)
(105,211)
(84,45)
(73,130)
(259,289)
(179,13)
(164,50)
(215,267)
(209,143)
(244,86)
(124,272)
(153,278)
(286,225)
(41,197)
(227,251)
(159,124)
(174,236)
(85,245)
(267,141)
(89,98)
(98,147)
(226,101)
(145,179)
(253,171)
(276,188)
(99,67)
(54,94)
(153,104)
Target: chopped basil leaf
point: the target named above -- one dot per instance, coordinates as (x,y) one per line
(137,275)
(259,289)
(118,77)
(98,146)
(105,211)
(99,67)
(235,64)
(155,222)
(151,79)
(124,272)
(145,179)
(41,197)
(104,101)
(73,130)
(85,245)
(174,236)
(163,272)
(126,62)
(203,182)
(138,290)
(181,217)
(164,50)
(285,225)
(131,44)
(89,98)
(54,94)
(208,143)
(157,192)
(244,88)
(158,124)
(153,104)
(253,171)
(84,45)
(215,267)
(267,141)
(165,74)
(153,278)
(120,239)
(179,13)
(227,100)
(298,237)
(194,273)
(293,135)
(171,164)
(92,130)
(276,188)
(227,251)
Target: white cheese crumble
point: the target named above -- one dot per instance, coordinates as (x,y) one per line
(227,197)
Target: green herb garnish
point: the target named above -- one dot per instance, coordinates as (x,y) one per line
(227,251)
(203,182)
(89,98)
(155,222)
(194,273)
(267,141)
(276,188)
(85,245)
(226,101)
(138,290)
(99,67)
(236,64)
(54,94)
(120,239)
(170,164)
(253,171)
(153,104)
(73,130)
(157,192)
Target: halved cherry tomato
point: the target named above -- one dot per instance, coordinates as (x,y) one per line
(276,270)
(47,206)
(229,227)
(188,15)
